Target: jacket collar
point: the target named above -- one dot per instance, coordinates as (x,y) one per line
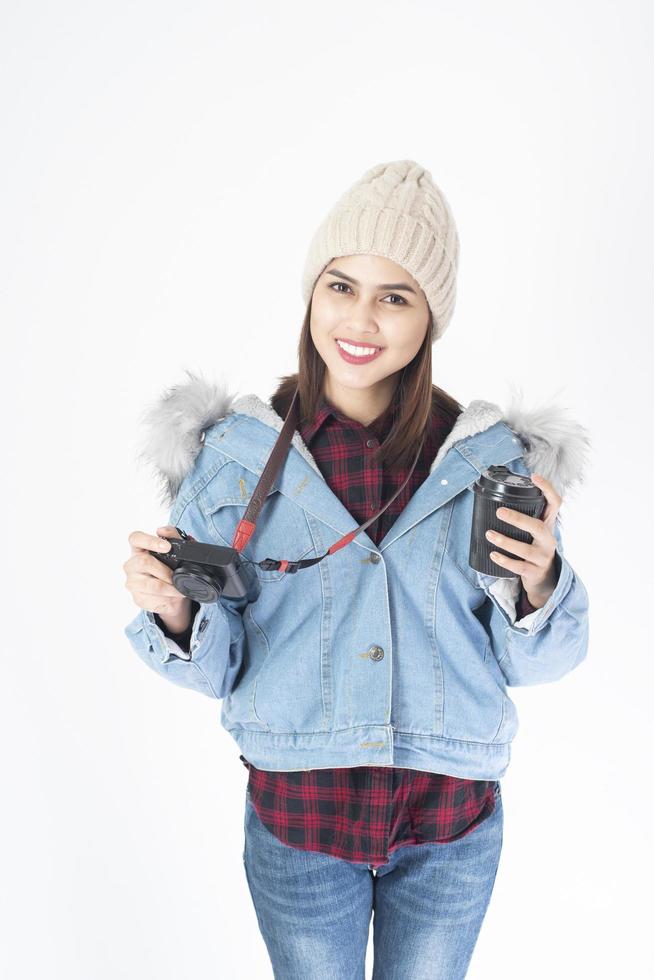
(554,446)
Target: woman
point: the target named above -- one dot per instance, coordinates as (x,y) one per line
(367,691)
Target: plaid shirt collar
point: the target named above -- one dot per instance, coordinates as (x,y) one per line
(326,410)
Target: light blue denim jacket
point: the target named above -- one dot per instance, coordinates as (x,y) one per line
(391,655)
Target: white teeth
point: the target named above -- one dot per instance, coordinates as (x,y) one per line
(357,351)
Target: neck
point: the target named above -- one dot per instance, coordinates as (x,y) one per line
(362,405)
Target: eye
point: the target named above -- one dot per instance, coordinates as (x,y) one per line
(403,302)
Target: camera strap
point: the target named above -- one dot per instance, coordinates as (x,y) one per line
(248,523)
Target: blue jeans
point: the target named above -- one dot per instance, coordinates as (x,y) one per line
(429,902)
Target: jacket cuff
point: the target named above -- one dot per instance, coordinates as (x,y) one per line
(182,639)
(204,626)
(506,591)
(523,605)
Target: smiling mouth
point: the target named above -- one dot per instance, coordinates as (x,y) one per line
(357,352)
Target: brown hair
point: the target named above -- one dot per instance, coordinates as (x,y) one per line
(415,400)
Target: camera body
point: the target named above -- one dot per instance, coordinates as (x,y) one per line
(205,572)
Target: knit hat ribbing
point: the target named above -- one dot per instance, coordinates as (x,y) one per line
(395,210)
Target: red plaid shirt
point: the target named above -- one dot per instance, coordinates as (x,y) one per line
(363,813)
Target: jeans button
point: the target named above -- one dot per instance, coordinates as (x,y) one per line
(376,653)
(375,558)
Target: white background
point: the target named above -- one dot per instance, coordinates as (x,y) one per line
(163,169)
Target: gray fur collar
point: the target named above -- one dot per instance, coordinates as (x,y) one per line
(556,446)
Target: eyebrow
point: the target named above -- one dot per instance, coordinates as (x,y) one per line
(384,285)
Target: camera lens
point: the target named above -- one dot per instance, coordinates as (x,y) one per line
(196,582)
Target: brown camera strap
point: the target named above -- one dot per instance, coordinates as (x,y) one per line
(248,523)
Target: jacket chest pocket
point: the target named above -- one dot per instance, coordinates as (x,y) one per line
(282,531)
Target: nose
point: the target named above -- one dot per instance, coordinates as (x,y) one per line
(361,328)
(363,312)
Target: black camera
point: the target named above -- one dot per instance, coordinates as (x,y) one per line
(205,572)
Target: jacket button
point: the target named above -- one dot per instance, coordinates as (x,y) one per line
(203,626)
(375,558)
(376,653)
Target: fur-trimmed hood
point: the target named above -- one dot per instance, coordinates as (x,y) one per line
(556,446)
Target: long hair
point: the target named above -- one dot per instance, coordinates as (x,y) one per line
(414,403)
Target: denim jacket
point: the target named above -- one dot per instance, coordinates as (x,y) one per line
(392,655)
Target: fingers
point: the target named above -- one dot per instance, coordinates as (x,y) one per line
(142,562)
(169,531)
(154,604)
(141,541)
(553,499)
(547,488)
(534,525)
(155,588)
(149,580)
(521,549)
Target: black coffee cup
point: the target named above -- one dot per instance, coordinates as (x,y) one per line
(498,486)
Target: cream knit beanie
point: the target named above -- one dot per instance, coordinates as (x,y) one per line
(395,210)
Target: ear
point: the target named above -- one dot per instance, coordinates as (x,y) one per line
(175,426)
(556,446)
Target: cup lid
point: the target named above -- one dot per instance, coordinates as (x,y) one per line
(501,480)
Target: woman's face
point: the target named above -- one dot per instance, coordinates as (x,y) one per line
(371,302)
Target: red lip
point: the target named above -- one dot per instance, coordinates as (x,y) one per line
(358,343)
(352,358)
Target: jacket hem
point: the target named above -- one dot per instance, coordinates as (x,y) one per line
(372,745)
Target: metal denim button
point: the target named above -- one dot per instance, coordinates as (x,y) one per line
(376,653)
(203,625)
(375,558)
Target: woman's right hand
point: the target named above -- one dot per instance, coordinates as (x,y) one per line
(150,581)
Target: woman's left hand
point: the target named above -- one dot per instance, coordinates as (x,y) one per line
(538,569)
